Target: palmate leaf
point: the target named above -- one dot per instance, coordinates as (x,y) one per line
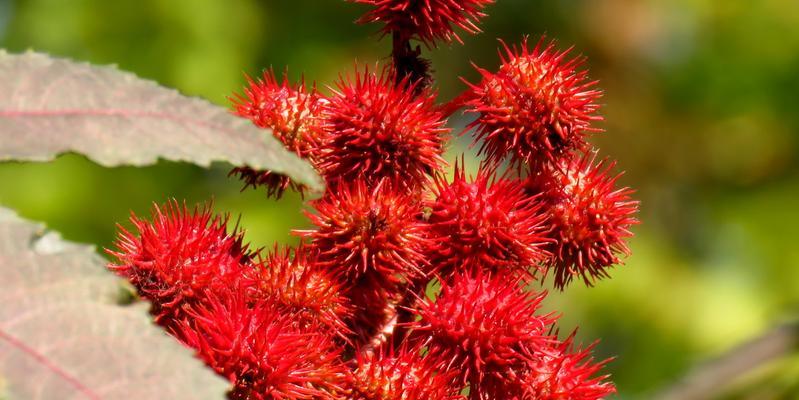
(50,106)
(64,335)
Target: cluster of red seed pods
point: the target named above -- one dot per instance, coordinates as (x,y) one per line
(411,284)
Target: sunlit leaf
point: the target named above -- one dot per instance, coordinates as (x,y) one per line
(50,106)
(64,335)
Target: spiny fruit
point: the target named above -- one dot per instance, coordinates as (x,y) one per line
(292,112)
(372,233)
(485,327)
(561,371)
(404,374)
(426,20)
(589,217)
(536,108)
(485,222)
(178,257)
(378,129)
(292,279)
(351,312)
(262,351)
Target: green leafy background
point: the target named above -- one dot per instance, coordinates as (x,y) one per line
(701,109)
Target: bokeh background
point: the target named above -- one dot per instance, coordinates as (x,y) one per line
(701,106)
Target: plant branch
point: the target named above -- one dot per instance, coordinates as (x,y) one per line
(408,63)
(404,313)
(711,379)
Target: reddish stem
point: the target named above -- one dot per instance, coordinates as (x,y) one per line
(404,314)
(408,63)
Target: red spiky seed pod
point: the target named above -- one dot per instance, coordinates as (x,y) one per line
(590,218)
(562,372)
(372,233)
(536,108)
(404,374)
(485,222)
(178,257)
(376,128)
(292,279)
(426,20)
(262,351)
(292,112)
(485,328)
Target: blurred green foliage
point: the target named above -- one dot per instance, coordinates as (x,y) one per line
(700,106)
